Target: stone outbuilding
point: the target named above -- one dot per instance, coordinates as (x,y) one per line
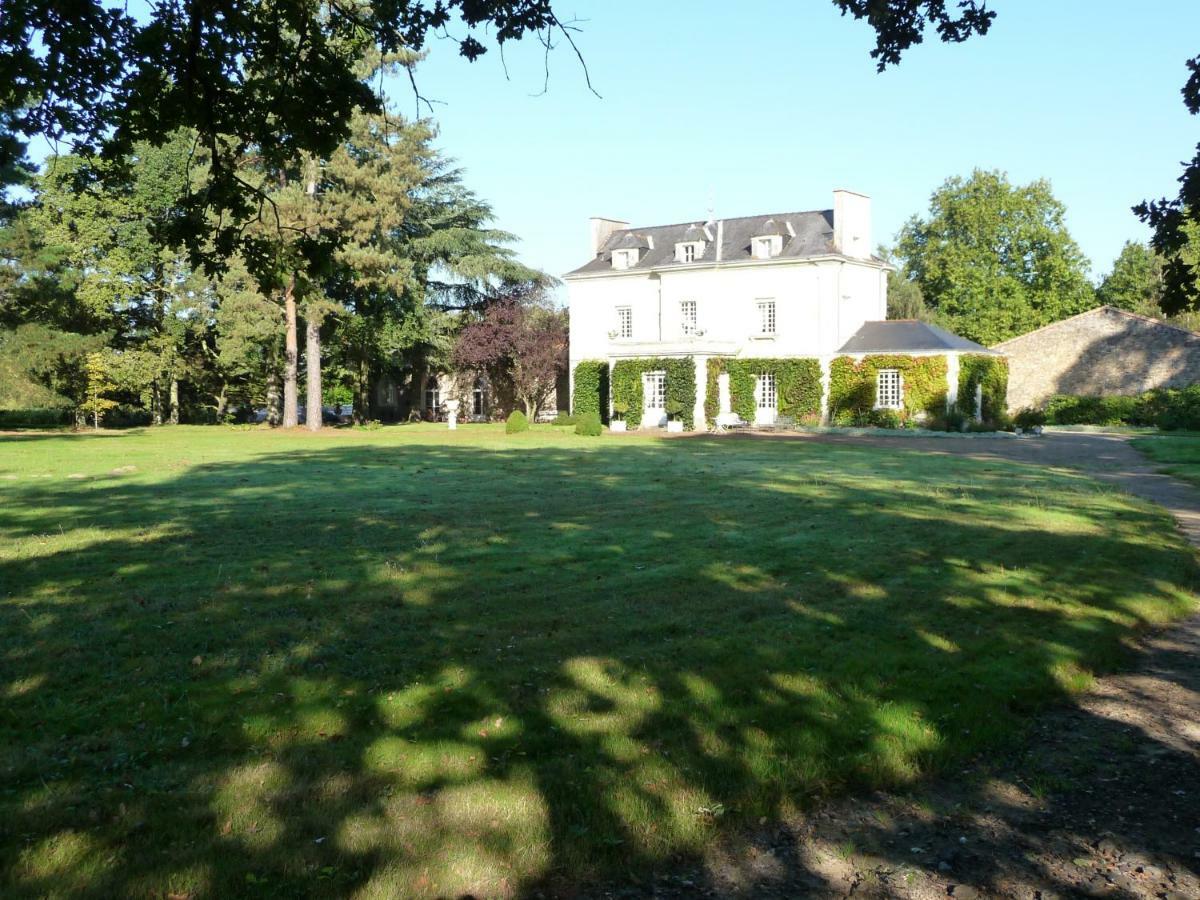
(1102,352)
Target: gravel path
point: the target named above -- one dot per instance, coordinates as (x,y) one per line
(1104,801)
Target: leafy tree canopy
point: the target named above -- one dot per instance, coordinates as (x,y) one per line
(993,259)
(282,79)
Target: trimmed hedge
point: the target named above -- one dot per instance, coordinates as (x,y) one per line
(35,418)
(681,385)
(797,385)
(589,424)
(852,386)
(517,422)
(563,419)
(1167,408)
(992,373)
(591,388)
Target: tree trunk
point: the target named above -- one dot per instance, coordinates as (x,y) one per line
(222,401)
(274,397)
(174,400)
(312,366)
(362,391)
(156,417)
(291,416)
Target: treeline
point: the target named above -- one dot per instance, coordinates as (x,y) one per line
(991,260)
(365,263)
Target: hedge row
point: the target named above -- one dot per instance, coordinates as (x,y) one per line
(991,372)
(681,386)
(35,418)
(1167,408)
(797,386)
(852,388)
(591,388)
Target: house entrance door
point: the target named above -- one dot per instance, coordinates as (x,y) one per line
(654,389)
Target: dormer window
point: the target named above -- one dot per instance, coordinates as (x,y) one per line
(766,246)
(624,259)
(689,251)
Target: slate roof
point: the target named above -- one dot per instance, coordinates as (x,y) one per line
(813,236)
(908,336)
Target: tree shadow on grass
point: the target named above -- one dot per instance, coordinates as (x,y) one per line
(444,670)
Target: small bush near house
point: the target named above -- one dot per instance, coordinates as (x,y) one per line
(1072,410)
(517,422)
(1029,417)
(885,418)
(589,424)
(620,408)
(565,419)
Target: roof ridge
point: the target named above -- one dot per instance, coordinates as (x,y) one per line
(1104,307)
(801,212)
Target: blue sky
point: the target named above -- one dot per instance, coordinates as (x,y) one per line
(767,107)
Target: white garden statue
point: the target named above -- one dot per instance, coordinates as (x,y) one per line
(452,413)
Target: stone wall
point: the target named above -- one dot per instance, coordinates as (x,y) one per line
(1105,351)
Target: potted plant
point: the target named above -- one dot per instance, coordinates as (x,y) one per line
(620,408)
(674,411)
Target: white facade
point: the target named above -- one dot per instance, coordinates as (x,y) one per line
(728,301)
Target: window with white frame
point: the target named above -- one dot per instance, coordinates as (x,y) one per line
(767,396)
(766,316)
(624,259)
(889,389)
(477,399)
(433,397)
(654,385)
(689,251)
(625,322)
(766,247)
(687,316)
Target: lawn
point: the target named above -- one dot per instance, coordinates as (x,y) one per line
(1177,455)
(409,662)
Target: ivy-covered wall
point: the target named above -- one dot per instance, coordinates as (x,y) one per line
(591,388)
(797,384)
(852,386)
(681,385)
(989,371)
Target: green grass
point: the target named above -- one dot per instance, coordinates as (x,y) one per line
(409,662)
(1177,455)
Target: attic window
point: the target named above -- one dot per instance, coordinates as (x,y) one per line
(766,246)
(689,251)
(624,259)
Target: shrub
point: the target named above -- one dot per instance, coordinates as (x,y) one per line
(1029,417)
(1066,409)
(517,422)
(372,425)
(35,418)
(589,424)
(620,408)
(674,408)
(885,418)
(565,419)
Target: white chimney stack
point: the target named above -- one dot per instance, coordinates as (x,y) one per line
(602,229)
(852,224)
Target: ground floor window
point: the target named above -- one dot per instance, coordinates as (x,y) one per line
(655,386)
(477,400)
(766,396)
(433,397)
(889,389)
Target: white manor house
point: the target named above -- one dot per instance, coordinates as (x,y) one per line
(726,293)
